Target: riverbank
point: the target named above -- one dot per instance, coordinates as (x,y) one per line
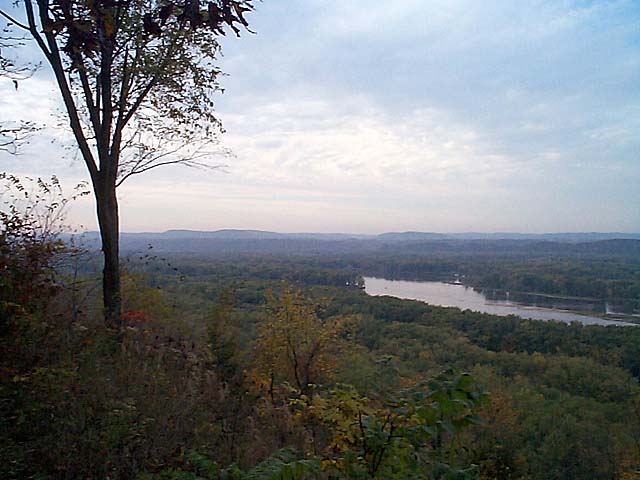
(466,297)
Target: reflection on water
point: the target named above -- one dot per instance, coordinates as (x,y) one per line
(460,296)
(615,306)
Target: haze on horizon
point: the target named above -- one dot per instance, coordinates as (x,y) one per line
(364,117)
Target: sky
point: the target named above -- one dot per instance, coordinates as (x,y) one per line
(371,116)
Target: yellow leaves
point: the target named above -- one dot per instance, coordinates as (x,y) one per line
(295,346)
(328,464)
(338,411)
(137,296)
(630,465)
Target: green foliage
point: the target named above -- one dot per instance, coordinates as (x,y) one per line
(76,402)
(222,338)
(282,465)
(295,347)
(589,369)
(409,435)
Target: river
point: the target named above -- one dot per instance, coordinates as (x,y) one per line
(463,297)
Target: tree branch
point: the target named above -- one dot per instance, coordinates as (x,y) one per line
(14,21)
(154,80)
(33,29)
(52,53)
(184,162)
(94,113)
(108,164)
(12,137)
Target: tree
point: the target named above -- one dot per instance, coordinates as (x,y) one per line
(136,78)
(296,348)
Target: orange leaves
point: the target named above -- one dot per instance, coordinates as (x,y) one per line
(135,317)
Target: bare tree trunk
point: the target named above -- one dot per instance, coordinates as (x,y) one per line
(107,207)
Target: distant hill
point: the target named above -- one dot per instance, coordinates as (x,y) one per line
(410,236)
(557,237)
(387,237)
(394,243)
(224,234)
(237,234)
(554,237)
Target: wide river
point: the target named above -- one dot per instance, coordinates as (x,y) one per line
(460,296)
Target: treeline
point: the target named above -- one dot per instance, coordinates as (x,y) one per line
(610,346)
(247,268)
(595,270)
(612,278)
(579,277)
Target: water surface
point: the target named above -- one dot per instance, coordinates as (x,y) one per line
(463,297)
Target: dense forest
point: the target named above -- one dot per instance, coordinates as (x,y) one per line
(579,265)
(268,366)
(254,355)
(591,276)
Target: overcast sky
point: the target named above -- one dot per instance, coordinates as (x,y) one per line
(372,116)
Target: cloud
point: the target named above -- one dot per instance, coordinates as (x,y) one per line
(435,115)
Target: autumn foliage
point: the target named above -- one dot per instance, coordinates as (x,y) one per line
(171,396)
(295,349)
